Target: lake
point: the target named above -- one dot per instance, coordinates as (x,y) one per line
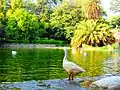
(46,63)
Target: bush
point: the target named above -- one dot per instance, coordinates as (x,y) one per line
(22,25)
(63,20)
(93,33)
(115,21)
(51,41)
(17,41)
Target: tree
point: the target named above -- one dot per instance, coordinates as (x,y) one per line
(93,11)
(49,3)
(90,8)
(16,4)
(2,9)
(93,30)
(38,6)
(63,20)
(115,5)
(115,21)
(2,17)
(22,25)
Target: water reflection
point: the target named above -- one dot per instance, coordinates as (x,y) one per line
(112,64)
(92,62)
(44,64)
(31,64)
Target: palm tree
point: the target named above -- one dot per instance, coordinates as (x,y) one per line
(91,8)
(93,11)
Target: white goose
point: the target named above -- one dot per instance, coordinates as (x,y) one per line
(14,52)
(70,67)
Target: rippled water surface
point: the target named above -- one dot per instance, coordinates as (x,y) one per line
(44,64)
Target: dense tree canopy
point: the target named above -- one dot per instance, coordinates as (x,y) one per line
(22,26)
(92,31)
(64,19)
(115,22)
(76,20)
(16,4)
(2,8)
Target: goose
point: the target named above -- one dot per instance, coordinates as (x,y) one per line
(14,52)
(70,67)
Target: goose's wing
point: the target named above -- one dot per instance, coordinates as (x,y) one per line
(70,66)
(76,67)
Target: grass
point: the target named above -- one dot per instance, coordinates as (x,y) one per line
(63,43)
(17,41)
(40,41)
(104,48)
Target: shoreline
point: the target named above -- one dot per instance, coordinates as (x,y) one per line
(22,45)
(55,84)
(55,46)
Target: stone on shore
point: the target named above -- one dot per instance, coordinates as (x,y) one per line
(56,84)
(107,82)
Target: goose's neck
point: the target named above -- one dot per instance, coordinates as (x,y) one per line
(65,56)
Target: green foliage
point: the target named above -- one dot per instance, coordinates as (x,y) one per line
(115,21)
(18,41)
(48,3)
(1,32)
(40,41)
(29,6)
(2,10)
(47,41)
(39,6)
(63,20)
(16,4)
(22,25)
(94,33)
(1,15)
(30,21)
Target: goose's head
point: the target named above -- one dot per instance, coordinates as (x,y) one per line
(14,52)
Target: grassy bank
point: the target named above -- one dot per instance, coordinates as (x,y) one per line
(63,43)
(103,48)
(40,41)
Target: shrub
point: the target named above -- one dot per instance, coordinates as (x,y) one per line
(93,33)
(22,25)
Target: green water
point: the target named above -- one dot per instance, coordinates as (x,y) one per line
(44,64)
